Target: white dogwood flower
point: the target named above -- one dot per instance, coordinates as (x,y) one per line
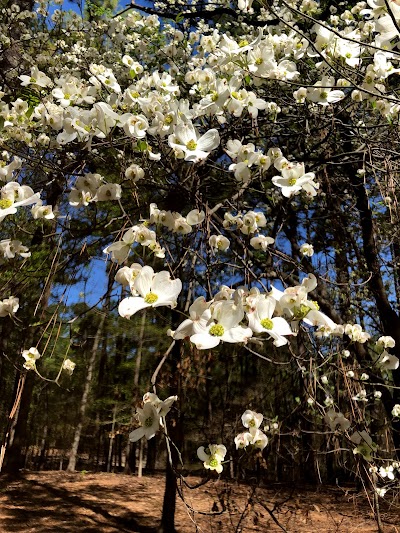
(154,290)
(186,139)
(212,456)
(222,327)
(149,420)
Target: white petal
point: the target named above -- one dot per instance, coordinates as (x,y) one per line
(144,281)
(136,435)
(209,141)
(238,334)
(204,341)
(281,326)
(201,454)
(130,306)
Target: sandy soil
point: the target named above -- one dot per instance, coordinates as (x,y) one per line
(57,502)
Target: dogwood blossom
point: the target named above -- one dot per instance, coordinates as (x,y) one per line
(186,140)
(68,366)
(212,456)
(154,290)
(31,356)
(307,249)
(9,306)
(223,326)
(365,445)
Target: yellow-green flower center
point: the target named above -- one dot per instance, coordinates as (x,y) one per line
(213,461)
(236,95)
(243,43)
(150,298)
(292,181)
(259,61)
(191,145)
(217,330)
(301,312)
(267,323)
(5,203)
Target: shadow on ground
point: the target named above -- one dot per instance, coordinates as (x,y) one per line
(33,505)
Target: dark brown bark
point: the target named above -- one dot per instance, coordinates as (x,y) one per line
(176,436)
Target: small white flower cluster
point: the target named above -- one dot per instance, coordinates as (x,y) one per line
(322,93)
(388,471)
(68,366)
(293,179)
(14,195)
(90,188)
(334,419)
(364,444)
(396,411)
(356,333)
(385,359)
(254,436)
(7,170)
(361,396)
(9,306)
(10,248)
(141,234)
(31,356)
(276,314)
(248,223)
(245,156)
(214,454)
(307,249)
(175,222)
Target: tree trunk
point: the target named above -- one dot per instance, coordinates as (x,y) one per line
(176,436)
(85,396)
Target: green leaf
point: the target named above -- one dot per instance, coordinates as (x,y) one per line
(142,145)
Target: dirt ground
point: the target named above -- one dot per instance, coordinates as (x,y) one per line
(57,502)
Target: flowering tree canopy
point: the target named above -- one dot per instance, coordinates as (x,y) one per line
(235,166)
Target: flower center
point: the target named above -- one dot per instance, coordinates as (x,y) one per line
(213,461)
(5,203)
(191,145)
(148,422)
(267,323)
(236,95)
(217,330)
(301,312)
(151,298)
(292,181)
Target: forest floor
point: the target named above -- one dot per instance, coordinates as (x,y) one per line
(58,502)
